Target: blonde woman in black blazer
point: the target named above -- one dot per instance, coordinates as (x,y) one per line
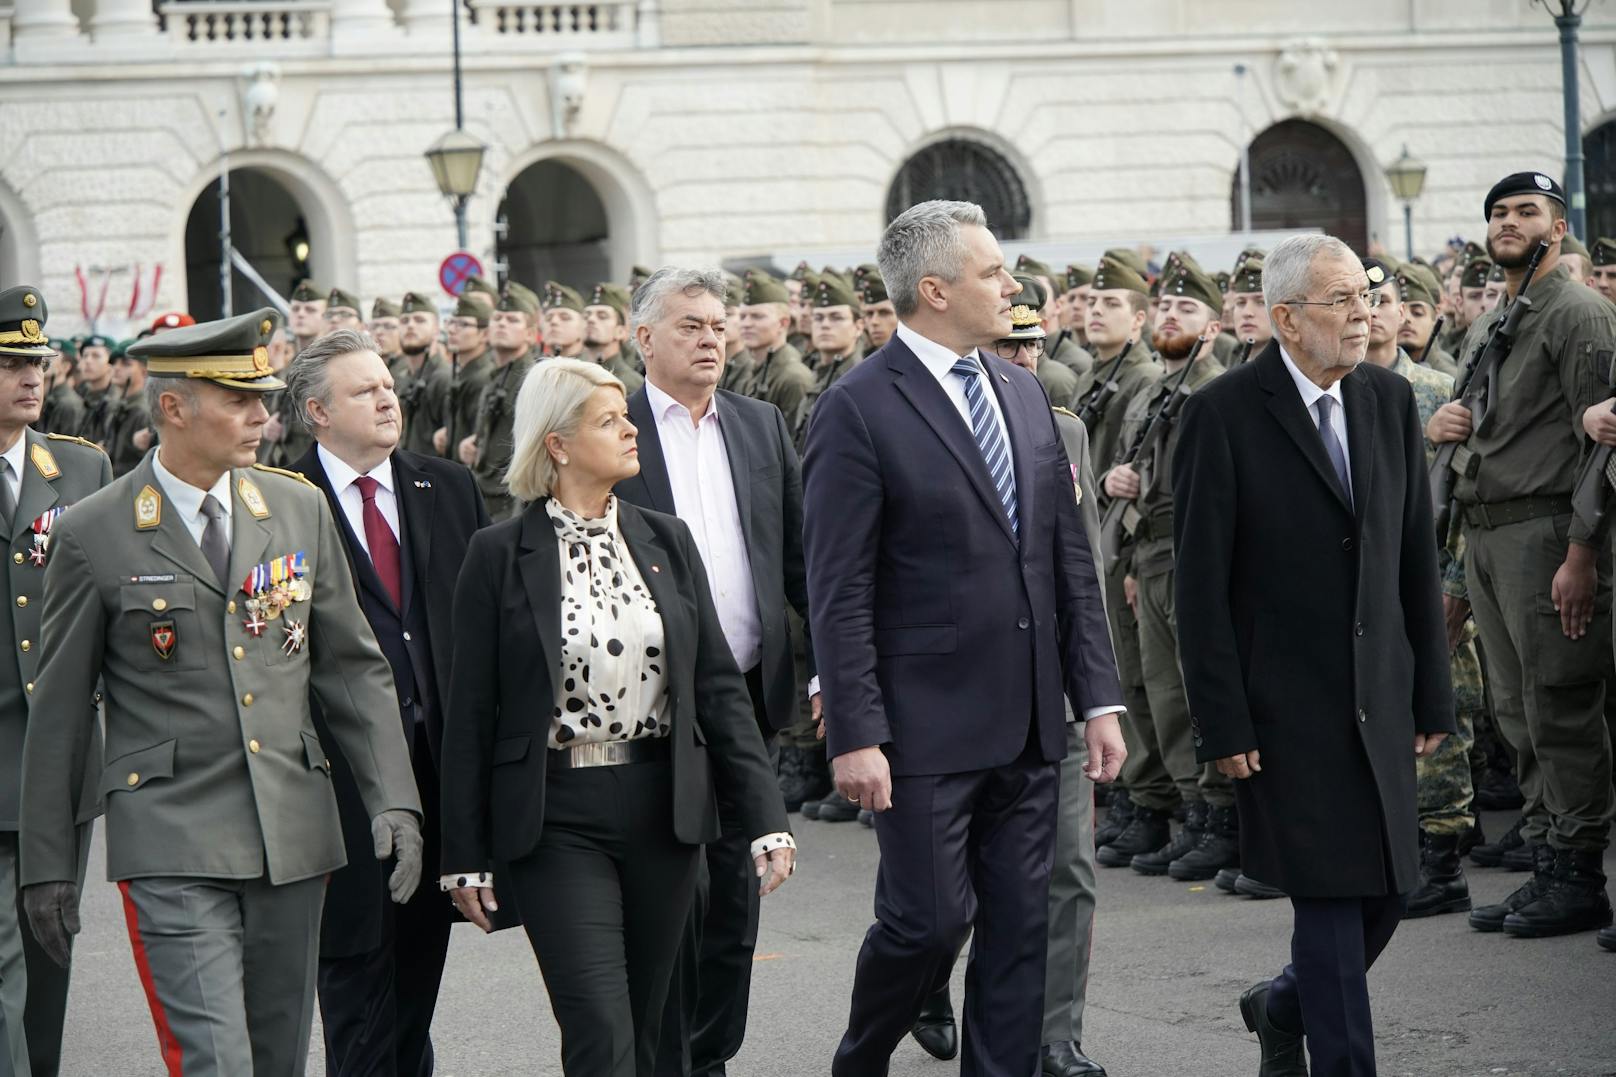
(594,709)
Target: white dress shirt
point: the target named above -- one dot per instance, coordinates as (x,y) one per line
(14,457)
(1310,400)
(187,499)
(345,481)
(939,362)
(704,498)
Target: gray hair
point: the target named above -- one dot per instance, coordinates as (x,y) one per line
(184,388)
(308,377)
(1288,270)
(646,306)
(924,241)
(551,401)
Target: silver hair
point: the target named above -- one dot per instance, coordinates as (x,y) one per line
(646,306)
(1287,272)
(924,241)
(184,388)
(308,377)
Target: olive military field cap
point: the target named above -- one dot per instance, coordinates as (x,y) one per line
(762,288)
(1520,183)
(1603,252)
(1114,274)
(1026,323)
(732,289)
(834,291)
(232,352)
(638,276)
(802,272)
(1570,244)
(557,294)
(1078,275)
(518,299)
(384,308)
(478,284)
(1247,276)
(417,301)
(307,292)
(1471,252)
(611,295)
(1476,270)
(873,289)
(1222,277)
(518,288)
(1186,278)
(1416,284)
(1029,266)
(1496,273)
(467,307)
(341,298)
(22,323)
(1130,258)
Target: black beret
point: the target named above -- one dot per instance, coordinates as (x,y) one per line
(1522,183)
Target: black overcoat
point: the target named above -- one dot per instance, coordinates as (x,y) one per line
(1309,629)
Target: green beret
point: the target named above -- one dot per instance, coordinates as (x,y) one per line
(96,340)
(1028,265)
(1115,275)
(559,295)
(1415,284)
(341,298)
(1078,275)
(1247,275)
(120,350)
(467,307)
(384,308)
(22,323)
(833,291)
(1572,245)
(1186,278)
(611,295)
(517,298)
(477,284)
(307,292)
(417,301)
(232,352)
(762,288)
(638,276)
(65,348)
(1131,258)
(873,289)
(1604,252)
(1026,321)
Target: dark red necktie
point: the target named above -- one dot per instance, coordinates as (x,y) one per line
(383,544)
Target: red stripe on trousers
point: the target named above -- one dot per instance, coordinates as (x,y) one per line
(173,1055)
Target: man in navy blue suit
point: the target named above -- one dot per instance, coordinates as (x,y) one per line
(953,598)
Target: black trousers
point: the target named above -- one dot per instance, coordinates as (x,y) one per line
(959,852)
(704,1023)
(1324,991)
(376,1008)
(604,899)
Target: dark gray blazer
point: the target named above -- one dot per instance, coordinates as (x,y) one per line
(768,492)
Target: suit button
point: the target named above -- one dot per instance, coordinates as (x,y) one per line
(17,557)
(22,600)
(1358,628)
(1198,742)
(1346,544)
(253,746)
(1022,623)
(29,688)
(230,608)
(246,700)
(1363,715)
(159,604)
(26,645)
(133,779)
(406,637)
(240,652)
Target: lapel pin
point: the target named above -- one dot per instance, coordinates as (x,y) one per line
(656,568)
(419,485)
(1004,378)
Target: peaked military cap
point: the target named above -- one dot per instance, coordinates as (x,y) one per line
(611,295)
(1187,279)
(1078,275)
(1604,252)
(762,288)
(1114,274)
(467,307)
(557,295)
(1026,319)
(232,352)
(478,284)
(22,323)
(833,291)
(1570,244)
(384,308)
(517,298)
(1519,183)
(417,301)
(1129,257)
(873,289)
(342,298)
(307,292)
(1247,275)
(1415,284)
(1032,267)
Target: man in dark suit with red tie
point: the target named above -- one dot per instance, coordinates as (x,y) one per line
(405,520)
(954,601)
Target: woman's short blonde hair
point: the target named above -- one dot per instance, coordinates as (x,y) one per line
(551,401)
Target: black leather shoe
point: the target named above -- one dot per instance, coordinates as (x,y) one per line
(1492,917)
(1491,854)
(835,808)
(1607,938)
(1216,848)
(1226,880)
(1250,887)
(1574,900)
(934,1029)
(1282,1054)
(1442,886)
(1117,817)
(1068,1060)
(1148,832)
(1157,861)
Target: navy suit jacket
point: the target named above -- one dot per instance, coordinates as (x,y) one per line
(942,635)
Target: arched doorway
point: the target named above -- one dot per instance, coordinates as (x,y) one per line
(271,228)
(1599,180)
(1303,176)
(965,170)
(19,247)
(554,226)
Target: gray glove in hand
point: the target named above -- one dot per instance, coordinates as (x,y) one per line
(53,913)
(397,834)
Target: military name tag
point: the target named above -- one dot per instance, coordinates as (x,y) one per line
(163,639)
(44,462)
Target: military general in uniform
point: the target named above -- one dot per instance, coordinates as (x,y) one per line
(210,597)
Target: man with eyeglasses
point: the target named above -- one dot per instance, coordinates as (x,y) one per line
(1539,576)
(422,383)
(1032,352)
(342,309)
(471,365)
(384,330)
(39,474)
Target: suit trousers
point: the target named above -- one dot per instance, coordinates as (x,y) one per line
(229,967)
(1324,991)
(1071,898)
(959,852)
(704,1021)
(33,988)
(376,1008)
(605,898)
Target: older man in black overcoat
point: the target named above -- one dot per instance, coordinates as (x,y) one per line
(1311,635)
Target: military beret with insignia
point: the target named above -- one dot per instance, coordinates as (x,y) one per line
(1078,275)
(65,348)
(1603,252)
(833,291)
(96,340)
(1247,276)
(1519,183)
(1187,279)
(519,299)
(1131,258)
(1113,275)
(384,308)
(174,319)
(232,352)
(1377,271)
(307,292)
(1026,319)
(478,284)
(611,295)
(1416,284)
(1032,267)
(762,288)
(559,295)
(120,350)
(417,301)
(1570,244)
(340,297)
(873,289)
(22,323)
(467,307)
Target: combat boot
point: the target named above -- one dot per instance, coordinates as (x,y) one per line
(1442,885)
(1521,859)
(1574,899)
(1471,837)
(1607,938)
(834,808)
(1147,830)
(1491,854)
(1498,791)
(1156,861)
(1492,917)
(804,776)
(1215,851)
(1117,817)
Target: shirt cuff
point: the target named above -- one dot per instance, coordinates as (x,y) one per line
(485,879)
(1100,712)
(813,686)
(768,843)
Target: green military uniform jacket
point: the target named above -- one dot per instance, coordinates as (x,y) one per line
(128,418)
(622,368)
(422,396)
(62,412)
(296,439)
(99,405)
(739,370)
(1225,347)
(1066,351)
(466,384)
(58,472)
(784,380)
(1138,372)
(825,375)
(214,768)
(1432,389)
(496,412)
(1058,381)
(1452,340)
(1438,359)
(1530,440)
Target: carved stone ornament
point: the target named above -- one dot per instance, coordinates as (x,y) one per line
(569,75)
(259,95)
(1305,74)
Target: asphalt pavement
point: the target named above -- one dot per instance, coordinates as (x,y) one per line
(1169,963)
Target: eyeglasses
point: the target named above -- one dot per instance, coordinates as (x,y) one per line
(9,363)
(1370,300)
(1007,349)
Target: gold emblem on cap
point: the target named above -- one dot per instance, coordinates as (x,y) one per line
(29,299)
(265,326)
(148,509)
(253,498)
(31,333)
(1021,312)
(44,462)
(260,360)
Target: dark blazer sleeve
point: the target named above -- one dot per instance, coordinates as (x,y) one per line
(473,706)
(1420,584)
(796,575)
(842,507)
(1204,494)
(1088,661)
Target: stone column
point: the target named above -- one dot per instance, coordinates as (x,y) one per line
(42,21)
(123,19)
(360,20)
(430,19)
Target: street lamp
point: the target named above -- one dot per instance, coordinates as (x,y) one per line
(1567,15)
(1407,177)
(456,159)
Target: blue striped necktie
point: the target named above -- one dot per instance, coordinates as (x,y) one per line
(989,437)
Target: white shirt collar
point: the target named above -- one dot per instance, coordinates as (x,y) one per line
(15,454)
(342,475)
(187,499)
(662,404)
(935,357)
(1310,392)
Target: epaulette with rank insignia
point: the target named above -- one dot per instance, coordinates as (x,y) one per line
(299,476)
(1064,411)
(81,441)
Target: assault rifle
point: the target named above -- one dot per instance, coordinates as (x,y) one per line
(1245,353)
(1099,398)
(1471,391)
(1430,341)
(1590,498)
